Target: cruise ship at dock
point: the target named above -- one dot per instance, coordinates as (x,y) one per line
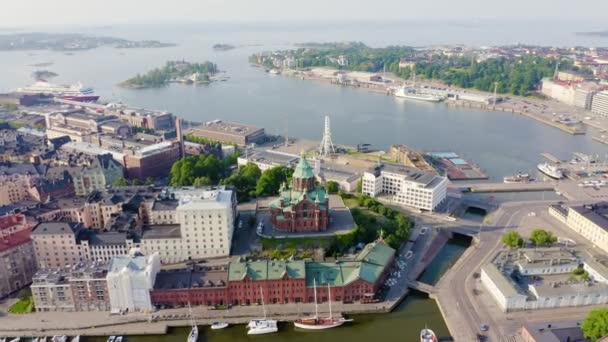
(67,92)
(413,94)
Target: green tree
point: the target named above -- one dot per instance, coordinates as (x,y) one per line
(359,188)
(270,181)
(332,187)
(541,237)
(149,181)
(202,181)
(595,325)
(244,181)
(512,239)
(121,182)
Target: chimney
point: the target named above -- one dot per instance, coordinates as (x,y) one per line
(180,136)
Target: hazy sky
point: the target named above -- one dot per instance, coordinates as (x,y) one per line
(95,12)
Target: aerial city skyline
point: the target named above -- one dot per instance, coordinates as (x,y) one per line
(210,170)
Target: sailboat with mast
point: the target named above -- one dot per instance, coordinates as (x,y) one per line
(320,323)
(193,336)
(262,326)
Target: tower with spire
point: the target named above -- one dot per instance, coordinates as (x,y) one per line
(303,206)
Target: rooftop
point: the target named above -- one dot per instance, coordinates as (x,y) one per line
(596,213)
(127,262)
(228,127)
(266,269)
(197,277)
(15,239)
(82,270)
(162,231)
(48,228)
(428,179)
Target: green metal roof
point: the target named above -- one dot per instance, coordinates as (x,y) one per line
(368,266)
(303,170)
(266,270)
(291,197)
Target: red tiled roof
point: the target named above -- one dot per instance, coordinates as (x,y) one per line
(11,220)
(15,239)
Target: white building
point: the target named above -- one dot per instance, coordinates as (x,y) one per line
(591,223)
(600,103)
(191,223)
(561,91)
(544,279)
(408,186)
(130,279)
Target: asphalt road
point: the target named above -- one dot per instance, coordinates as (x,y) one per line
(455,290)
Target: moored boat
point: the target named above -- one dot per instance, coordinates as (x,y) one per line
(518,178)
(427,335)
(413,94)
(550,170)
(262,326)
(193,336)
(320,323)
(67,92)
(219,325)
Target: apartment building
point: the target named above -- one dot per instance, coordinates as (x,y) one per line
(57,244)
(406,186)
(600,103)
(82,287)
(90,174)
(591,223)
(190,223)
(16,180)
(17,261)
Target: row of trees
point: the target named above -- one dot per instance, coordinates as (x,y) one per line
(538,237)
(393,225)
(517,76)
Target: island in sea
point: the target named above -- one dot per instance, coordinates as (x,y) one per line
(175,72)
(593,33)
(223,47)
(70,42)
(43,75)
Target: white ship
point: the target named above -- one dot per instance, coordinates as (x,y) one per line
(413,94)
(262,326)
(69,92)
(551,170)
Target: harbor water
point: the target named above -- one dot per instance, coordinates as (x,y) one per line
(500,143)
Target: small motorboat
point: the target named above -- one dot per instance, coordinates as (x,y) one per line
(16,339)
(111,339)
(219,325)
(118,339)
(427,335)
(76,338)
(58,338)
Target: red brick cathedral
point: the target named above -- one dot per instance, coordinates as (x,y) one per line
(302,207)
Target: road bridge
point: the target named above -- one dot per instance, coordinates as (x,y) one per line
(420,286)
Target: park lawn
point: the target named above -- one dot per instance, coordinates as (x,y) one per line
(351,202)
(294,243)
(22,306)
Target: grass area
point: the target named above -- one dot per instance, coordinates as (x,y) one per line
(22,306)
(351,202)
(296,243)
(370,156)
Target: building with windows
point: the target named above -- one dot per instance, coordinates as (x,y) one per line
(589,220)
(82,287)
(17,262)
(542,278)
(93,173)
(190,223)
(16,180)
(130,279)
(281,281)
(406,186)
(57,244)
(303,206)
(600,103)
